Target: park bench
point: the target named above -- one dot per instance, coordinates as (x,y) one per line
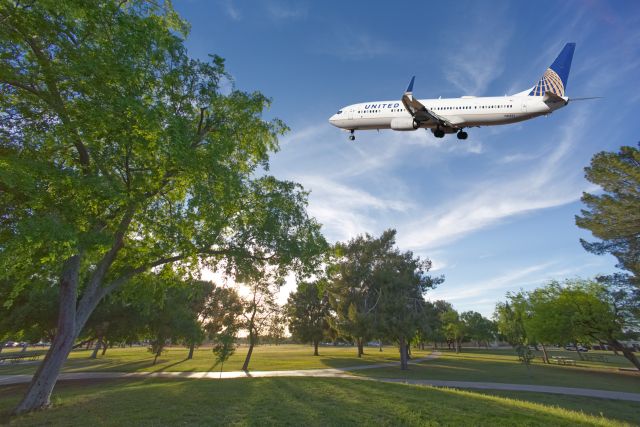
(561,360)
(20,356)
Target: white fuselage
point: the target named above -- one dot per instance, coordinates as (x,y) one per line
(461,112)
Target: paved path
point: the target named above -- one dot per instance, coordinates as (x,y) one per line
(337,373)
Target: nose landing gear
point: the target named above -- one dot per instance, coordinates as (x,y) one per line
(352,137)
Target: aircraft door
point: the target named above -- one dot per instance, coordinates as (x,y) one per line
(350,114)
(524,107)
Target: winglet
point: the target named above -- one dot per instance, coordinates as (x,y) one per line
(410,87)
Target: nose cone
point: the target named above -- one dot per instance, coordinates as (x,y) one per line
(337,119)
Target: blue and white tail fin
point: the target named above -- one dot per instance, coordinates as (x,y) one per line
(555,79)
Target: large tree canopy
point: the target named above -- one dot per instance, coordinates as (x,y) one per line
(614,216)
(120,153)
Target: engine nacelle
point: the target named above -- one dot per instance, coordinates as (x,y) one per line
(404,124)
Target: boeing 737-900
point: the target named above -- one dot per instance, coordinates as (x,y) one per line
(452,115)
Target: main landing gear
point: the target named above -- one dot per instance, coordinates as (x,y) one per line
(352,137)
(462,135)
(438,133)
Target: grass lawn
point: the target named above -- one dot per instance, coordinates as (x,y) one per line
(264,358)
(615,409)
(503,367)
(282,401)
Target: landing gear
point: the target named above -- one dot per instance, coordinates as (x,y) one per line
(438,133)
(462,135)
(352,137)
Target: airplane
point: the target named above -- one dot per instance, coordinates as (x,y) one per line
(453,115)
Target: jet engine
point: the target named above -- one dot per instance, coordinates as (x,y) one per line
(405,123)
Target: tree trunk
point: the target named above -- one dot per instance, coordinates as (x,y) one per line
(191,348)
(545,356)
(408,345)
(457,344)
(104,347)
(96,348)
(404,363)
(315,348)
(360,343)
(38,394)
(2,344)
(380,344)
(245,366)
(24,348)
(626,352)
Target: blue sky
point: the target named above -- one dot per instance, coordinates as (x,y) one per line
(495,213)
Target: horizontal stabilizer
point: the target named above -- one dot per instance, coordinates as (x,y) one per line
(552,97)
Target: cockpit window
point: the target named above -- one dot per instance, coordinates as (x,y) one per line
(339,112)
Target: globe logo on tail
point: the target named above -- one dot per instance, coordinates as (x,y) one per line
(550,82)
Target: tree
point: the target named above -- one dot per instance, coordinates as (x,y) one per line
(602,313)
(432,329)
(401,280)
(454,328)
(259,308)
(478,328)
(175,318)
(353,294)
(614,216)
(222,320)
(120,154)
(307,311)
(29,316)
(509,319)
(546,322)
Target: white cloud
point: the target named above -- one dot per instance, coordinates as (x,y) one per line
(545,185)
(356,46)
(473,66)
(282,11)
(346,211)
(509,280)
(231,10)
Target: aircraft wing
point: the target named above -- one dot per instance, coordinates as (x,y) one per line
(420,113)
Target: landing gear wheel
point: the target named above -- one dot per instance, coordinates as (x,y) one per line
(352,137)
(462,135)
(439,133)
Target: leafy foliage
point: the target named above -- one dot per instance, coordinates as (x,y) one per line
(614,217)
(307,311)
(121,154)
(378,291)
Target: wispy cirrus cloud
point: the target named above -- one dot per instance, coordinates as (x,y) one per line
(511,279)
(231,9)
(355,46)
(546,184)
(282,11)
(471,67)
(346,211)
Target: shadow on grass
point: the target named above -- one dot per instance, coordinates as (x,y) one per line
(300,401)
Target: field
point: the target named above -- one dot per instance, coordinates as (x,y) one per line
(316,401)
(279,401)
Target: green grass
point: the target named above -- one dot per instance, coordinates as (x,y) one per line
(264,358)
(615,409)
(503,367)
(282,401)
